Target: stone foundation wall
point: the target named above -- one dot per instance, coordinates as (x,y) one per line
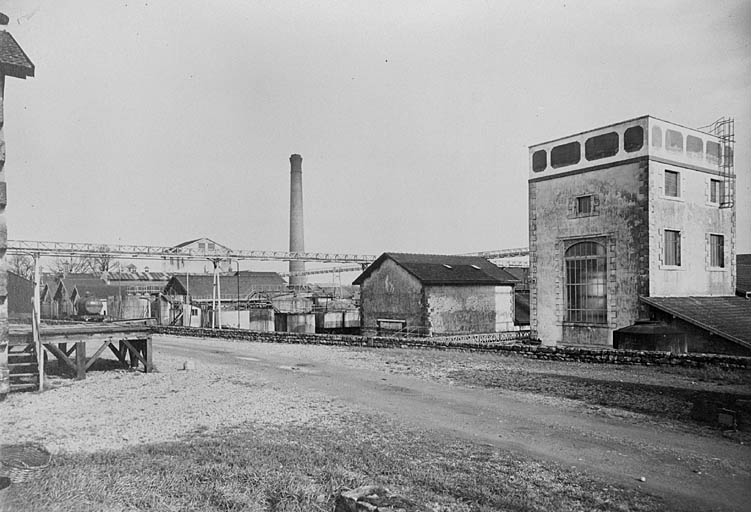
(481,343)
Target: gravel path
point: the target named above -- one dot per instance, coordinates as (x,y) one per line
(115,408)
(236,383)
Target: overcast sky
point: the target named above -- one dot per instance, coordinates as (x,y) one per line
(162,121)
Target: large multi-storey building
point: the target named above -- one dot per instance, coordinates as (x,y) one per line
(638,209)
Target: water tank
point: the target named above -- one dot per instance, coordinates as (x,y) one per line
(90,307)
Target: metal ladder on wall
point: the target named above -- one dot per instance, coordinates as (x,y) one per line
(724,129)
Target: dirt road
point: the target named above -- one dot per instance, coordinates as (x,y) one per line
(692,472)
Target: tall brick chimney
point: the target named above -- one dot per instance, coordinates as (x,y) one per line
(296,232)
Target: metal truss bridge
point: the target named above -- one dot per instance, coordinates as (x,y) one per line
(67,249)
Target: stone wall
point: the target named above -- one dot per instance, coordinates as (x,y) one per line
(501,343)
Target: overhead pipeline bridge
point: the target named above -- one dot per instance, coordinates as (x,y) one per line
(152,252)
(67,249)
(502,257)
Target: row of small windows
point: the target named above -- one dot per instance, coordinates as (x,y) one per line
(694,146)
(586,274)
(673,187)
(672,249)
(595,148)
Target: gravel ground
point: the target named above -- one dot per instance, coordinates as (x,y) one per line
(116,408)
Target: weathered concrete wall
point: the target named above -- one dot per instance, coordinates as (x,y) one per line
(619,222)
(505,308)
(461,309)
(696,218)
(301,323)
(261,320)
(390,292)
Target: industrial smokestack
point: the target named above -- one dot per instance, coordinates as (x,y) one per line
(296,233)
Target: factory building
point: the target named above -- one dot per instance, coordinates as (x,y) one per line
(178,264)
(627,221)
(427,294)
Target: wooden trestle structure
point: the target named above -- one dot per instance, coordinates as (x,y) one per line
(131,344)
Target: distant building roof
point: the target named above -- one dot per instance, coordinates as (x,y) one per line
(200,240)
(436,269)
(743,274)
(13,60)
(90,284)
(202,285)
(136,276)
(727,316)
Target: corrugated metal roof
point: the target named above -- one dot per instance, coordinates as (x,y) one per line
(92,285)
(13,60)
(202,285)
(437,269)
(726,316)
(136,276)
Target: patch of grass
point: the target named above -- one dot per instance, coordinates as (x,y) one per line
(301,468)
(673,402)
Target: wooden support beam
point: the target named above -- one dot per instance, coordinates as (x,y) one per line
(80,360)
(119,353)
(134,352)
(149,356)
(98,353)
(60,355)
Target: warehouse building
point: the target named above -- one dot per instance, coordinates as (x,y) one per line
(427,294)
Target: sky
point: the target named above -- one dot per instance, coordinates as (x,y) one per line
(163,121)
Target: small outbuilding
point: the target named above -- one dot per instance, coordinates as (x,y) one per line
(429,294)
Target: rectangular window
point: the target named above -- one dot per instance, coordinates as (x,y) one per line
(586,283)
(672,184)
(717,251)
(201,246)
(211,247)
(694,146)
(565,154)
(390,325)
(584,205)
(715,191)
(673,140)
(672,248)
(539,160)
(633,138)
(713,152)
(601,146)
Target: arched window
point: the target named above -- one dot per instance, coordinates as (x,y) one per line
(586,283)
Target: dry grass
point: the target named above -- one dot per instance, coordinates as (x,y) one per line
(256,468)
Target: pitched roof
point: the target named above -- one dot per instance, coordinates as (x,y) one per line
(437,269)
(202,240)
(135,276)
(13,60)
(726,316)
(743,274)
(90,284)
(202,285)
